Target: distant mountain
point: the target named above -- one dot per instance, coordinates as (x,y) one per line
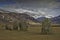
(40,19)
(3,10)
(54,19)
(6,16)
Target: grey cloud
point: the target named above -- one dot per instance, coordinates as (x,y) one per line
(49,7)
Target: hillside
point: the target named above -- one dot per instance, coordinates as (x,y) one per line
(12,17)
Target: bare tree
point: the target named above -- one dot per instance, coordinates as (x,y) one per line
(46,26)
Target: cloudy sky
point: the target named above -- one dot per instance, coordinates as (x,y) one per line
(38,7)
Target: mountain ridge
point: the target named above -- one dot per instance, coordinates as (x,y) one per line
(55,20)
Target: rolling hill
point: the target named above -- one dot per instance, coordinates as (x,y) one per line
(6,17)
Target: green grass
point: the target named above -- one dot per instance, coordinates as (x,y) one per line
(33,33)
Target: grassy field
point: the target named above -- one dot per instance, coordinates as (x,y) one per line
(33,33)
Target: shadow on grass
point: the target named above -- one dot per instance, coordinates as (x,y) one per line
(31,32)
(39,33)
(46,33)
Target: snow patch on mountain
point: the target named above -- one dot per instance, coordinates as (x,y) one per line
(35,14)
